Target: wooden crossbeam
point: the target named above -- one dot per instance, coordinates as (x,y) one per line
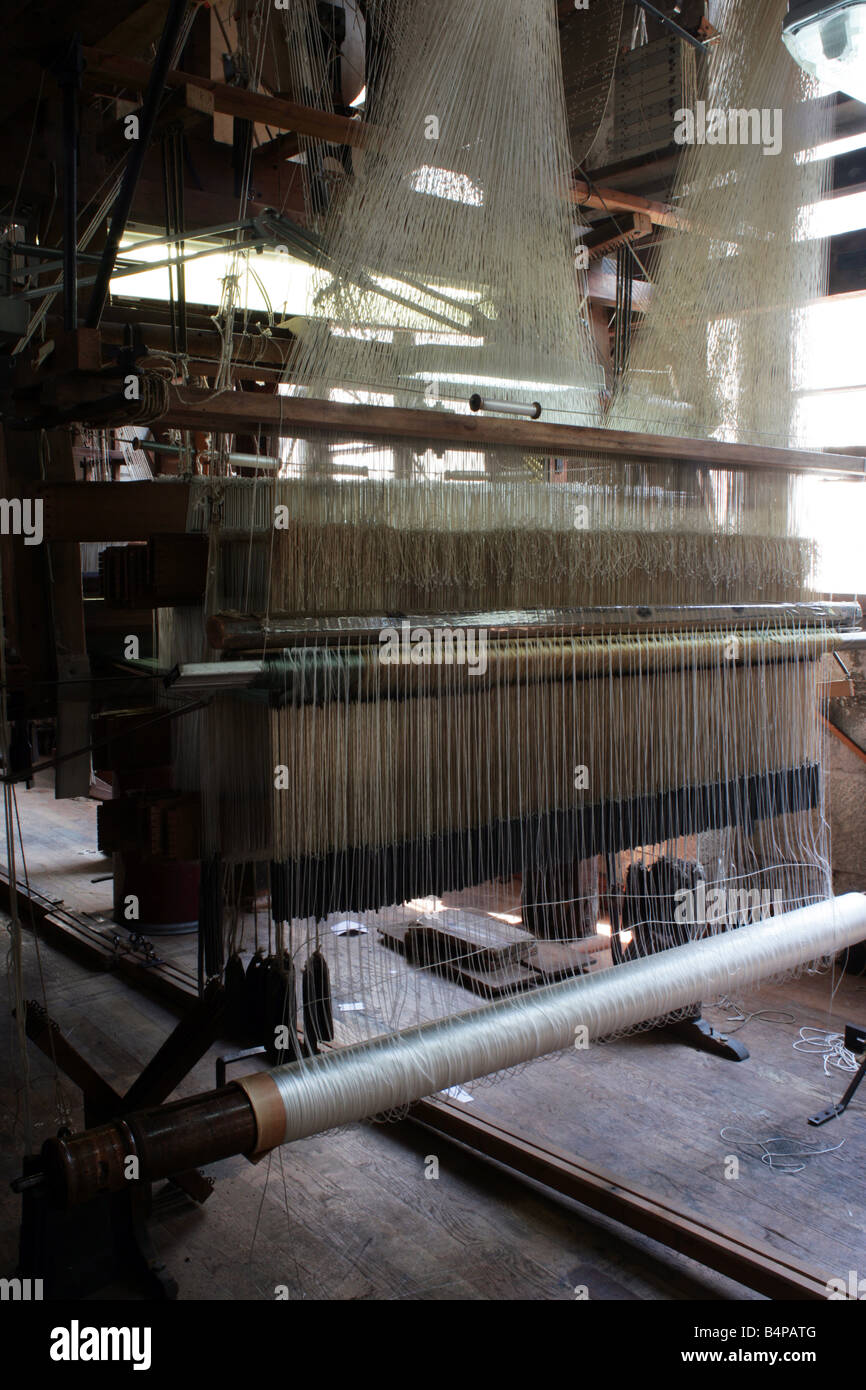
(110,69)
(130,511)
(612,200)
(247,412)
(843,737)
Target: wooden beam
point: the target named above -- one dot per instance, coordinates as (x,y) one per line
(104,68)
(73,665)
(241,412)
(844,739)
(185,1045)
(101,1101)
(609,233)
(114,511)
(610,200)
(752,1263)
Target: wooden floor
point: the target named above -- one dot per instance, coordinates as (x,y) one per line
(350,1215)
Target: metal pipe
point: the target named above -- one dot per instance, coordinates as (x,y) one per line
(672,25)
(532,410)
(154,447)
(54,255)
(166,1139)
(222,229)
(159,71)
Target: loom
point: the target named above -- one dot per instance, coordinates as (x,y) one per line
(648,707)
(528,742)
(552,659)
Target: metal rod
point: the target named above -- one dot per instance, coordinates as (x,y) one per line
(672,25)
(532,409)
(154,447)
(222,229)
(140,267)
(352,671)
(162,63)
(55,255)
(29,249)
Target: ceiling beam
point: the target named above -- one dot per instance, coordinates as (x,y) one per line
(609,200)
(109,69)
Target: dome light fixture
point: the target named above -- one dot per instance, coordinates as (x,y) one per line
(828,40)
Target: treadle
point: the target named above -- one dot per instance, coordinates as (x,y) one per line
(702,1035)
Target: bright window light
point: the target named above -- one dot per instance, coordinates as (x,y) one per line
(831,414)
(846,144)
(461,379)
(832,348)
(837,518)
(286,285)
(446,183)
(834,216)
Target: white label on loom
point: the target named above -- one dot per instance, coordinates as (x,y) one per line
(348,928)
(355,1008)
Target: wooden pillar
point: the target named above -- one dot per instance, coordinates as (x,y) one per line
(72,778)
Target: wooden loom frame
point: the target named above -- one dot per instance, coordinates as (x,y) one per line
(104,512)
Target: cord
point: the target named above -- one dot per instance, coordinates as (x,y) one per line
(797,1148)
(831,1046)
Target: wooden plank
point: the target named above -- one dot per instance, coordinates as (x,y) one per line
(109,68)
(843,738)
(73,665)
(609,233)
(243,412)
(612,200)
(114,511)
(752,1263)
